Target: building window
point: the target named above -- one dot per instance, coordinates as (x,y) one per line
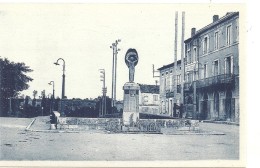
(229,65)
(165,84)
(178,79)
(155,97)
(187,77)
(145,99)
(168,82)
(162,85)
(178,88)
(190,77)
(205,70)
(228,35)
(194,54)
(215,68)
(188,46)
(188,57)
(216,37)
(205,45)
(167,106)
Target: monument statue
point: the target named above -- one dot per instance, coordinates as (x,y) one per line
(131,60)
(131,91)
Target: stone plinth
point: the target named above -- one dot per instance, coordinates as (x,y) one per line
(131,103)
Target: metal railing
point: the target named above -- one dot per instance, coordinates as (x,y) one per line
(219,79)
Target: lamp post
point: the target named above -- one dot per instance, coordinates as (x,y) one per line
(63,77)
(53,91)
(52,83)
(63,82)
(114,69)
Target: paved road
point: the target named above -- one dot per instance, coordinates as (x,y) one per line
(17,144)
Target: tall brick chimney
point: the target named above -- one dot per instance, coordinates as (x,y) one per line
(215,18)
(193,31)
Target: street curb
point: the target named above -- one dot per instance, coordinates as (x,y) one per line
(221,122)
(54,131)
(28,127)
(205,133)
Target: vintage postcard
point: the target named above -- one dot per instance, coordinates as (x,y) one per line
(122,85)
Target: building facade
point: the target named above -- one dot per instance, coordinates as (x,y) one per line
(170,90)
(149,99)
(211,88)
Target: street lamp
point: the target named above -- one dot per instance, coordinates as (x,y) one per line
(63,83)
(52,101)
(63,77)
(114,69)
(52,83)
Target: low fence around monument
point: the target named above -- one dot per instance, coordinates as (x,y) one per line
(87,123)
(116,124)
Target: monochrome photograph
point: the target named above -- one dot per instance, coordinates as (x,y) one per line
(122,84)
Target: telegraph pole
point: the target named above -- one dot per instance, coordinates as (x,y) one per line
(104,91)
(114,70)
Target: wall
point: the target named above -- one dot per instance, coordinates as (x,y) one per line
(221,54)
(167,88)
(147,104)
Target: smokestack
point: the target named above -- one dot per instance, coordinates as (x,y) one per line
(175,56)
(182,54)
(215,18)
(193,31)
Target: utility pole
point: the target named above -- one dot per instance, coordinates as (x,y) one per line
(104,91)
(155,76)
(114,70)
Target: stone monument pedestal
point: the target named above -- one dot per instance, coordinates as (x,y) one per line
(131,103)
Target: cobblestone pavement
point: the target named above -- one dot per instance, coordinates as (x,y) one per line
(18,144)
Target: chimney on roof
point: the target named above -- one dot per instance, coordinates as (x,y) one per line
(215,18)
(193,31)
(228,13)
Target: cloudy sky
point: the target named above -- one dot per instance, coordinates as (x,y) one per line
(81,34)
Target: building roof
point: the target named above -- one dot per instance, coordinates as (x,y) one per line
(213,24)
(169,65)
(149,88)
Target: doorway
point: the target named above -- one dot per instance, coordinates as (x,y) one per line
(204,113)
(216,104)
(228,104)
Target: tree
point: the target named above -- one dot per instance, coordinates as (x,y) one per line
(12,81)
(35,94)
(34,100)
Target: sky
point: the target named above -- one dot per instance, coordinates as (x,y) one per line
(81,34)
